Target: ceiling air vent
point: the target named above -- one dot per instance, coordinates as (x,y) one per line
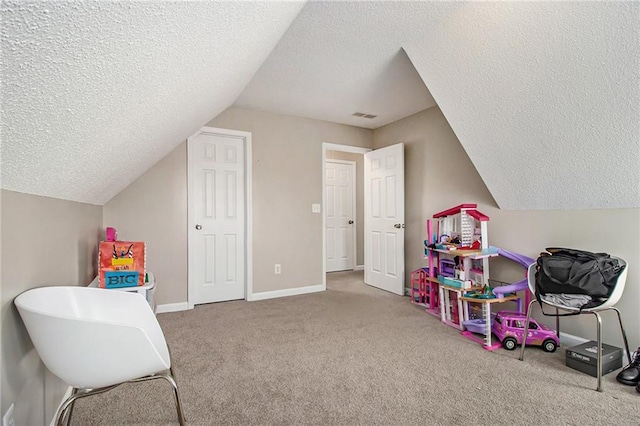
(363,115)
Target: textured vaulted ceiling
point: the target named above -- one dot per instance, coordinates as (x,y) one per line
(94,93)
(337,59)
(544,96)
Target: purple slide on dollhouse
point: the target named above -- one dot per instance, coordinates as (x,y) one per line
(520,285)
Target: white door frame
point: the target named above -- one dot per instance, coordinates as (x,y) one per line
(191,234)
(327,146)
(353,206)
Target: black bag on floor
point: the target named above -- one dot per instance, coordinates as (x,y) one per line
(570,271)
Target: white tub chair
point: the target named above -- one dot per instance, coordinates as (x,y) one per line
(606,305)
(95,339)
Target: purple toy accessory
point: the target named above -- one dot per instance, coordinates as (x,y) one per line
(111,234)
(508,327)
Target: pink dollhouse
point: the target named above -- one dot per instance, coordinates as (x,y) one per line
(457,279)
(461,232)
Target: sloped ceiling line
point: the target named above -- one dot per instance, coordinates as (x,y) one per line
(543,96)
(95,93)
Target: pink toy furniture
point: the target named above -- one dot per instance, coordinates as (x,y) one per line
(419,286)
(423,291)
(111,234)
(433,307)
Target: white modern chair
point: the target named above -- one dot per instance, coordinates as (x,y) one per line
(608,304)
(95,339)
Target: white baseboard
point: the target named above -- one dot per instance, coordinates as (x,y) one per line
(172,307)
(66,395)
(286,292)
(358,268)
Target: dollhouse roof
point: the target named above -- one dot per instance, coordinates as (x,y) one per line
(470,209)
(454,210)
(478,215)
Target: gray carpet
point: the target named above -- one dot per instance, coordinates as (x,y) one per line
(352,355)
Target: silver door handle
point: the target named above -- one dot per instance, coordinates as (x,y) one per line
(398,225)
(350,222)
(198,227)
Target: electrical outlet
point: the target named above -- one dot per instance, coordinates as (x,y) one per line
(277,269)
(7,419)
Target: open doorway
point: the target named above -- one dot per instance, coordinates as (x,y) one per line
(343,207)
(383,215)
(343,211)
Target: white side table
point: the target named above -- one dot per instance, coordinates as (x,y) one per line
(147,290)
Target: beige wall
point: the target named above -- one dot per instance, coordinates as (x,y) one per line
(439,175)
(45,241)
(287,179)
(60,237)
(359,160)
(154,209)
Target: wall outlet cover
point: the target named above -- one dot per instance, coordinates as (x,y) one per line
(315,208)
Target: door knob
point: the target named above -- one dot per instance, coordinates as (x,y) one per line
(350,222)
(198,227)
(399,225)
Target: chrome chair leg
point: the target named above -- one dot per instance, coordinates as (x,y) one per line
(624,335)
(64,411)
(526,329)
(79,393)
(599,359)
(170,378)
(66,416)
(174,383)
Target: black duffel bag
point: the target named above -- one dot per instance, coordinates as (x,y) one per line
(571,271)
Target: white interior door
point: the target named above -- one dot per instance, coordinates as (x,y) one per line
(340,211)
(384,218)
(217,217)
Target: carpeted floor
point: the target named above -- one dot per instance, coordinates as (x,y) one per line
(352,355)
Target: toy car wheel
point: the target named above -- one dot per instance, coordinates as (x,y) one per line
(509,343)
(549,345)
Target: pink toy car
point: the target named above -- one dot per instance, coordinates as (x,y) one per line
(509,327)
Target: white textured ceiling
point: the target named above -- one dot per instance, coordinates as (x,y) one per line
(544,96)
(94,93)
(333,61)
